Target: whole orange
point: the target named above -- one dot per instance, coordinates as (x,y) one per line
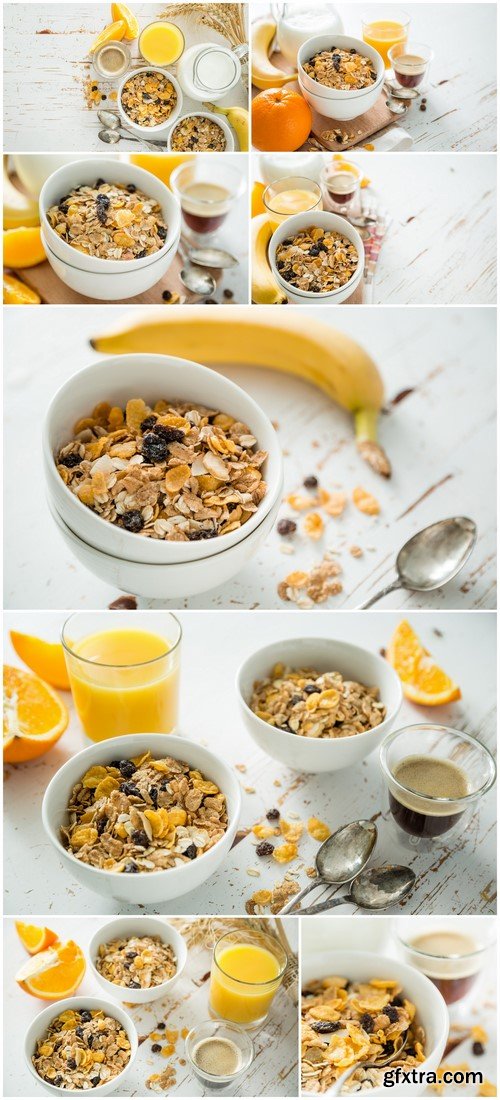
(281,120)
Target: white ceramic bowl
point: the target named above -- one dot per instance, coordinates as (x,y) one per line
(168,582)
(162,127)
(347,105)
(219,119)
(121,928)
(325,220)
(152,377)
(311,754)
(86,172)
(150,887)
(432,1012)
(38,1028)
(110,286)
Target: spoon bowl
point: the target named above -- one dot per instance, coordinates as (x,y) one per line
(432,558)
(396,106)
(340,858)
(374,890)
(212,257)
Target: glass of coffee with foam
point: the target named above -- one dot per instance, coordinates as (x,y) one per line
(435,777)
(451,951)
(410,64)
(206,190)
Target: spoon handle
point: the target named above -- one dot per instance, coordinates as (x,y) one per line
(324,906)
(378,595)
(297,898)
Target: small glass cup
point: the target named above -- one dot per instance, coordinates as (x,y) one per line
(340,186)
(451,951)
(383,27)
(231,1034)
(237,1000)
(115,697)
(423,820)
(291,195)
(110,50)
(410,62)
(207,192)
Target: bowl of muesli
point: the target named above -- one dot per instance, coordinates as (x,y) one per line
(343,73)
(318,704)
(358,1006)
(158,460)
(201,132)
(143,818)
(137,959)
(149,100)
(111,230)
(81,1044)
(317,258)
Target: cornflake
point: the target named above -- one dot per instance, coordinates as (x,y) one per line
(345,70)
(111,221)
(81,1049)
(313,704)
(317,260)
(136,962)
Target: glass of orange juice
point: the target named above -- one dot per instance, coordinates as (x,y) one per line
(123,668)
(291,195)
(161,43)
(247,971)
(384,27)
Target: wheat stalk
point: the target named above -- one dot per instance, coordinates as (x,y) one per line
(227,19)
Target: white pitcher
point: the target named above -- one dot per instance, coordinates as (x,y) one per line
(295,23)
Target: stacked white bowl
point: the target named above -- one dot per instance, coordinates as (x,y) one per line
(325,220)
(107,280)
(155,568)
(218,119)
(333,102)
(162,127)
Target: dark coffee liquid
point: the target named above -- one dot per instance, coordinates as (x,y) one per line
(200,224)
(425,778)
(205,206)
(410,70)
(418,824)
(341,188)
(453,989)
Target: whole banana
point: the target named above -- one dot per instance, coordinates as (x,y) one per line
(237,118)
(274,339)
(19,209)
(265,290)
(264,73)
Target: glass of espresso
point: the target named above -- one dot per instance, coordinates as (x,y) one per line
(410,63)
(451,951)
(340,185)
(434,777)
(206,191)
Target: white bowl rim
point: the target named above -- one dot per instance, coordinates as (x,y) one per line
(320,741)
(161,126)
(113,266)
(219,119)
(71,1002)
(156,256)
(162,923)
(322,295)
(361,46)
(329,98)
(233,390)
(111,741)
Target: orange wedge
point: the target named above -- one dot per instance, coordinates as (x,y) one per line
(45,659)
(112,33)
(34,716)
(423,681)
(53,974)
(257,204)
(33,938)
(120,11)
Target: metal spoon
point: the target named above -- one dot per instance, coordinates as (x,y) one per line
(432,557)
(112,121)
(211,257)
(340,858)
(377,1063)
(195,278)
(399,92)
(374,889)
(112,137)
(395,107)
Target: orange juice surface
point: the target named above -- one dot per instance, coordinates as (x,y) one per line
(126,682)
(243,983)
(382,34)
(294,201)
(161,43)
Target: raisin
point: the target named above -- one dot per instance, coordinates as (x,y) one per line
(141,255)
(139,837)
(98,182)
(154,448)
(127,768)
(95,1081)
(71,1064)
(131,790)
(477,1048)
(58,1081)
(338,139)
(155,1049)
(101,825)
(295,699)
(90,1039)
(80,1032)
(396,1000)
(392,1012)
(204,533)
(131,869)
(161,1026)
(134,985)
(162,232)
(366,1022)
(63,207)
(132,521)
(228,294)
(85,1016)
(131,188)
(123,603)
(352,50)
(153,794)
(423,106)
(131,954)
(286,527)
(71,460)
(265,848)
(325,1027)
(167,294)
(170,435)
(103,97)
(149,423)
(389,1047)
(146,96)
(191,851)
(310,689)
(311,482)
(273,815)
(314,251)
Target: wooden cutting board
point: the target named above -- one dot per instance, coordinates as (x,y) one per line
(53,291)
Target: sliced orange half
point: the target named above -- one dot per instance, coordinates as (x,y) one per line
(120,11)
(53,974)
(34,938)
(45,659)
(34,716)
(424,682)
(114,32)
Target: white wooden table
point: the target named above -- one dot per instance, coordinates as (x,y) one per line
(455,879)
(461,97)
(441,440)
(44,105)
(273,1071)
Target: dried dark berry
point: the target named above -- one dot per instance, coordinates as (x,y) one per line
(161,1026)
(310,689)
(155,1049)
(57,1081)
(131,188)
(410,1052)
(102,207)
(63,207)
(71,1064)
(103,200)
(123,603)
(352,50)
(170,435)
(366,1022)
(94,89)
(392,1012)
(154,448)
(141,255)
(126,768)
(70,460)
(338,139)
(286,527)
(204,533)
(477,1048)
(101,825)
(273,815)
(325,1027)
(139,837)
(80,1032)
(295,699)
(132,521)
(310,482)
(191,851)
(90,1039)
(85,1016)
(95,1081)
(134,985)
(265,848)
(131,869)
(146,96)
(103,97)
(153,794)
(167,294)
(148,423)
(397,1001)
(314,251)
(423,106)
(162,232)
(131,954)
(99,182)
(228,294)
